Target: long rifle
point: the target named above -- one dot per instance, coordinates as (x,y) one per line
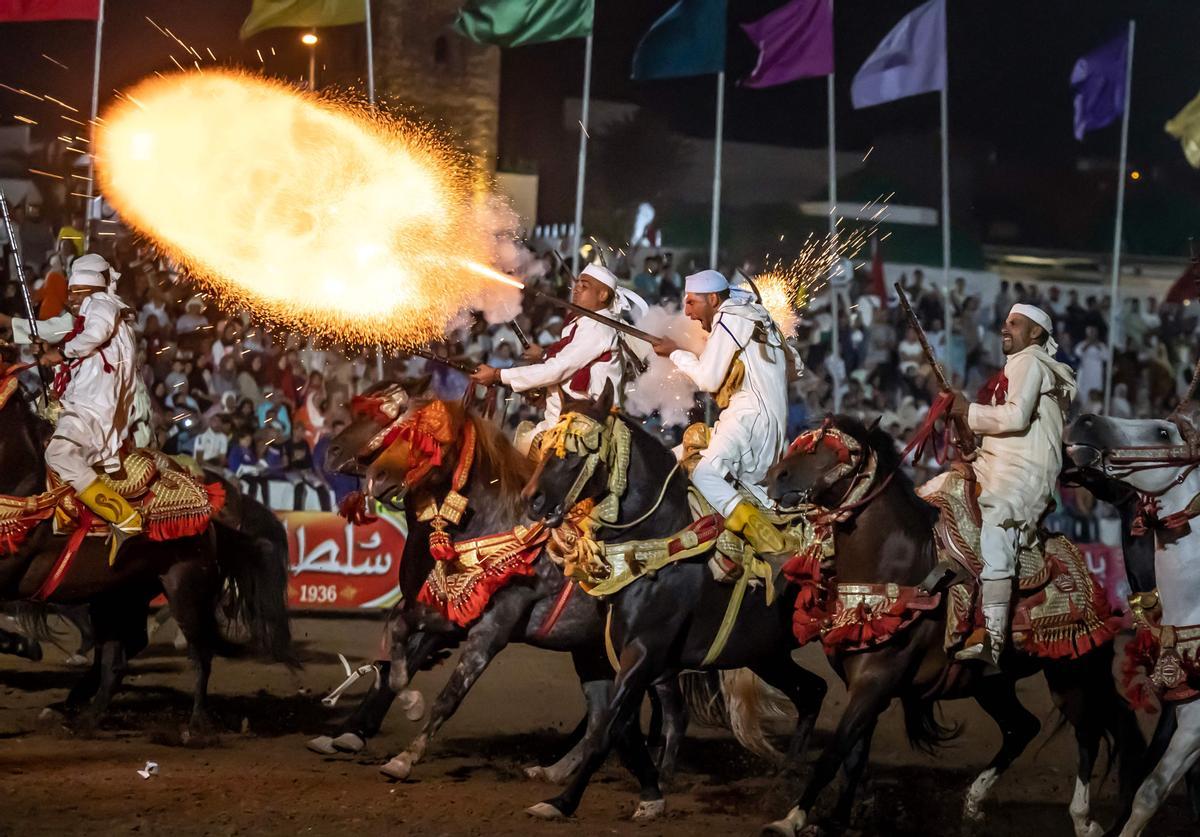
(15,243)
(465,368)
(963,437)
(616,325)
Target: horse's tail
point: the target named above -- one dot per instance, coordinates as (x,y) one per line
(33,619)
(925,732)
(738,701)
(253,564)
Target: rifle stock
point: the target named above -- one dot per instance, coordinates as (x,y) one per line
(964,439)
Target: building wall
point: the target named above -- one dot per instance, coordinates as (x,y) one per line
(445,79)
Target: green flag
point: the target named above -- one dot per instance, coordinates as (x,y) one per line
(271,14)
(510,23)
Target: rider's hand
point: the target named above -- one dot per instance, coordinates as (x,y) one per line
(534,353)
(485,376)
(665,346)
(960,406)
(50,357)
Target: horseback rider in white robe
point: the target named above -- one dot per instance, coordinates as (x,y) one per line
(1019,461)
(95,381)
(746,360)
(588,355)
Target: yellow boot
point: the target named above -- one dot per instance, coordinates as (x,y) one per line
(748,520)
(114,509)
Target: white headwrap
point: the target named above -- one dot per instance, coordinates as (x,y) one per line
(1042,319)
(624,301)
(705,282)
(88,272)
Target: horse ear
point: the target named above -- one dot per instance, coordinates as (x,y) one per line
(607,398)
(875,424)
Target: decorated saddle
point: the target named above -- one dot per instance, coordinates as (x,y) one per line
(1061,610)
(173,503)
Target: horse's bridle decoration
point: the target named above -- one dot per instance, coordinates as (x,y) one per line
(385,408)
(852,463)
(594,442)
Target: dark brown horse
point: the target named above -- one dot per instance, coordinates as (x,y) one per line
(890,540)
(419,635)
(196,574)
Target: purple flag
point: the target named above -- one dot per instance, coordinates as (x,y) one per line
(909,61)
(1098,81)
(794,41)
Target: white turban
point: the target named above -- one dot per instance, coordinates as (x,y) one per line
(706,282)
(623,300)
(1040,318)
(88,272)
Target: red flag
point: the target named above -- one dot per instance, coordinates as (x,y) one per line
(27,10)
(878,287)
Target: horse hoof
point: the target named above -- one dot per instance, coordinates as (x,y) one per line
(180,642)
(77,661)
(789,826)
(322,745)
(413,704)
(545,811)
(537,773)
(348,742)
(398,768)
(649,809)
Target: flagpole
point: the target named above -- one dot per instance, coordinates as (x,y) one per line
(583,139)
(370,55)
(91,183)
(1115,304)
(947,319)
(835,349)
(715,231)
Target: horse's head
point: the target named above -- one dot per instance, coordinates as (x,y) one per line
(817,465)
(423,452)
(372,414)
(1147,454)
(575,463)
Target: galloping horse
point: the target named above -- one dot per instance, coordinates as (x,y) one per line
(666,621)
(518,611)
(1157,461)
(889,539)
(193,572)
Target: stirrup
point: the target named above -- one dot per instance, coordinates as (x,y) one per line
(981,651)
(116,541)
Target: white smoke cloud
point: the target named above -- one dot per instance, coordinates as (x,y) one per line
(662,387)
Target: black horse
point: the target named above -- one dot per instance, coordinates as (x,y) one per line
(664,623)
(890,540)
(418,635)
(196,574)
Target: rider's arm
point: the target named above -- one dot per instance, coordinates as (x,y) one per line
(589,340)
(51,331)
(99,325)
(709,370)
(1015,414)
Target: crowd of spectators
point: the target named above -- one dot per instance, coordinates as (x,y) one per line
(263,405)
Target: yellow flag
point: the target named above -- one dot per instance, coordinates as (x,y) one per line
(1185,127)
(270,14)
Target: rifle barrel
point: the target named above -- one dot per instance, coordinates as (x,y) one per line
(617,325)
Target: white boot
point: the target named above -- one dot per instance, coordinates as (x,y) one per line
(997,598)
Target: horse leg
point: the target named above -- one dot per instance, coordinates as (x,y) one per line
(804,689)
(640,667)
(870,694)
(192,590)
(485,640)
(853,767)
(364,722)
(1181,754)
(595,678)
(673,709)
(997,696)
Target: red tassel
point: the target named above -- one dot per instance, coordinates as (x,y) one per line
(353,509)
(216,496)
(441,547)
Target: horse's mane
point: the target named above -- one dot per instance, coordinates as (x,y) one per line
(497,454)
(887,457)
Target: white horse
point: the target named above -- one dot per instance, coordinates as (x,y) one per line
(1153,457)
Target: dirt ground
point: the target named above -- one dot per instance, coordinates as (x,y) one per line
(258,778)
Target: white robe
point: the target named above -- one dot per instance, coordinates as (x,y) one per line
(751,433)
(586,341)
(98,405)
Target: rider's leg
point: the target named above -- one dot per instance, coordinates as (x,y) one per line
(69,458)
(998,544)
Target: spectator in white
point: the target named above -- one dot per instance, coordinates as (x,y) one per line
(550,331)
(152,307)
(912,356)
(1093,356)
(193,317)
(212,445)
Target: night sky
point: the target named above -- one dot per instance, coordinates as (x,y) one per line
(1010,102)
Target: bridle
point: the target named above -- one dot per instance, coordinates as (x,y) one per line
(595,442)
